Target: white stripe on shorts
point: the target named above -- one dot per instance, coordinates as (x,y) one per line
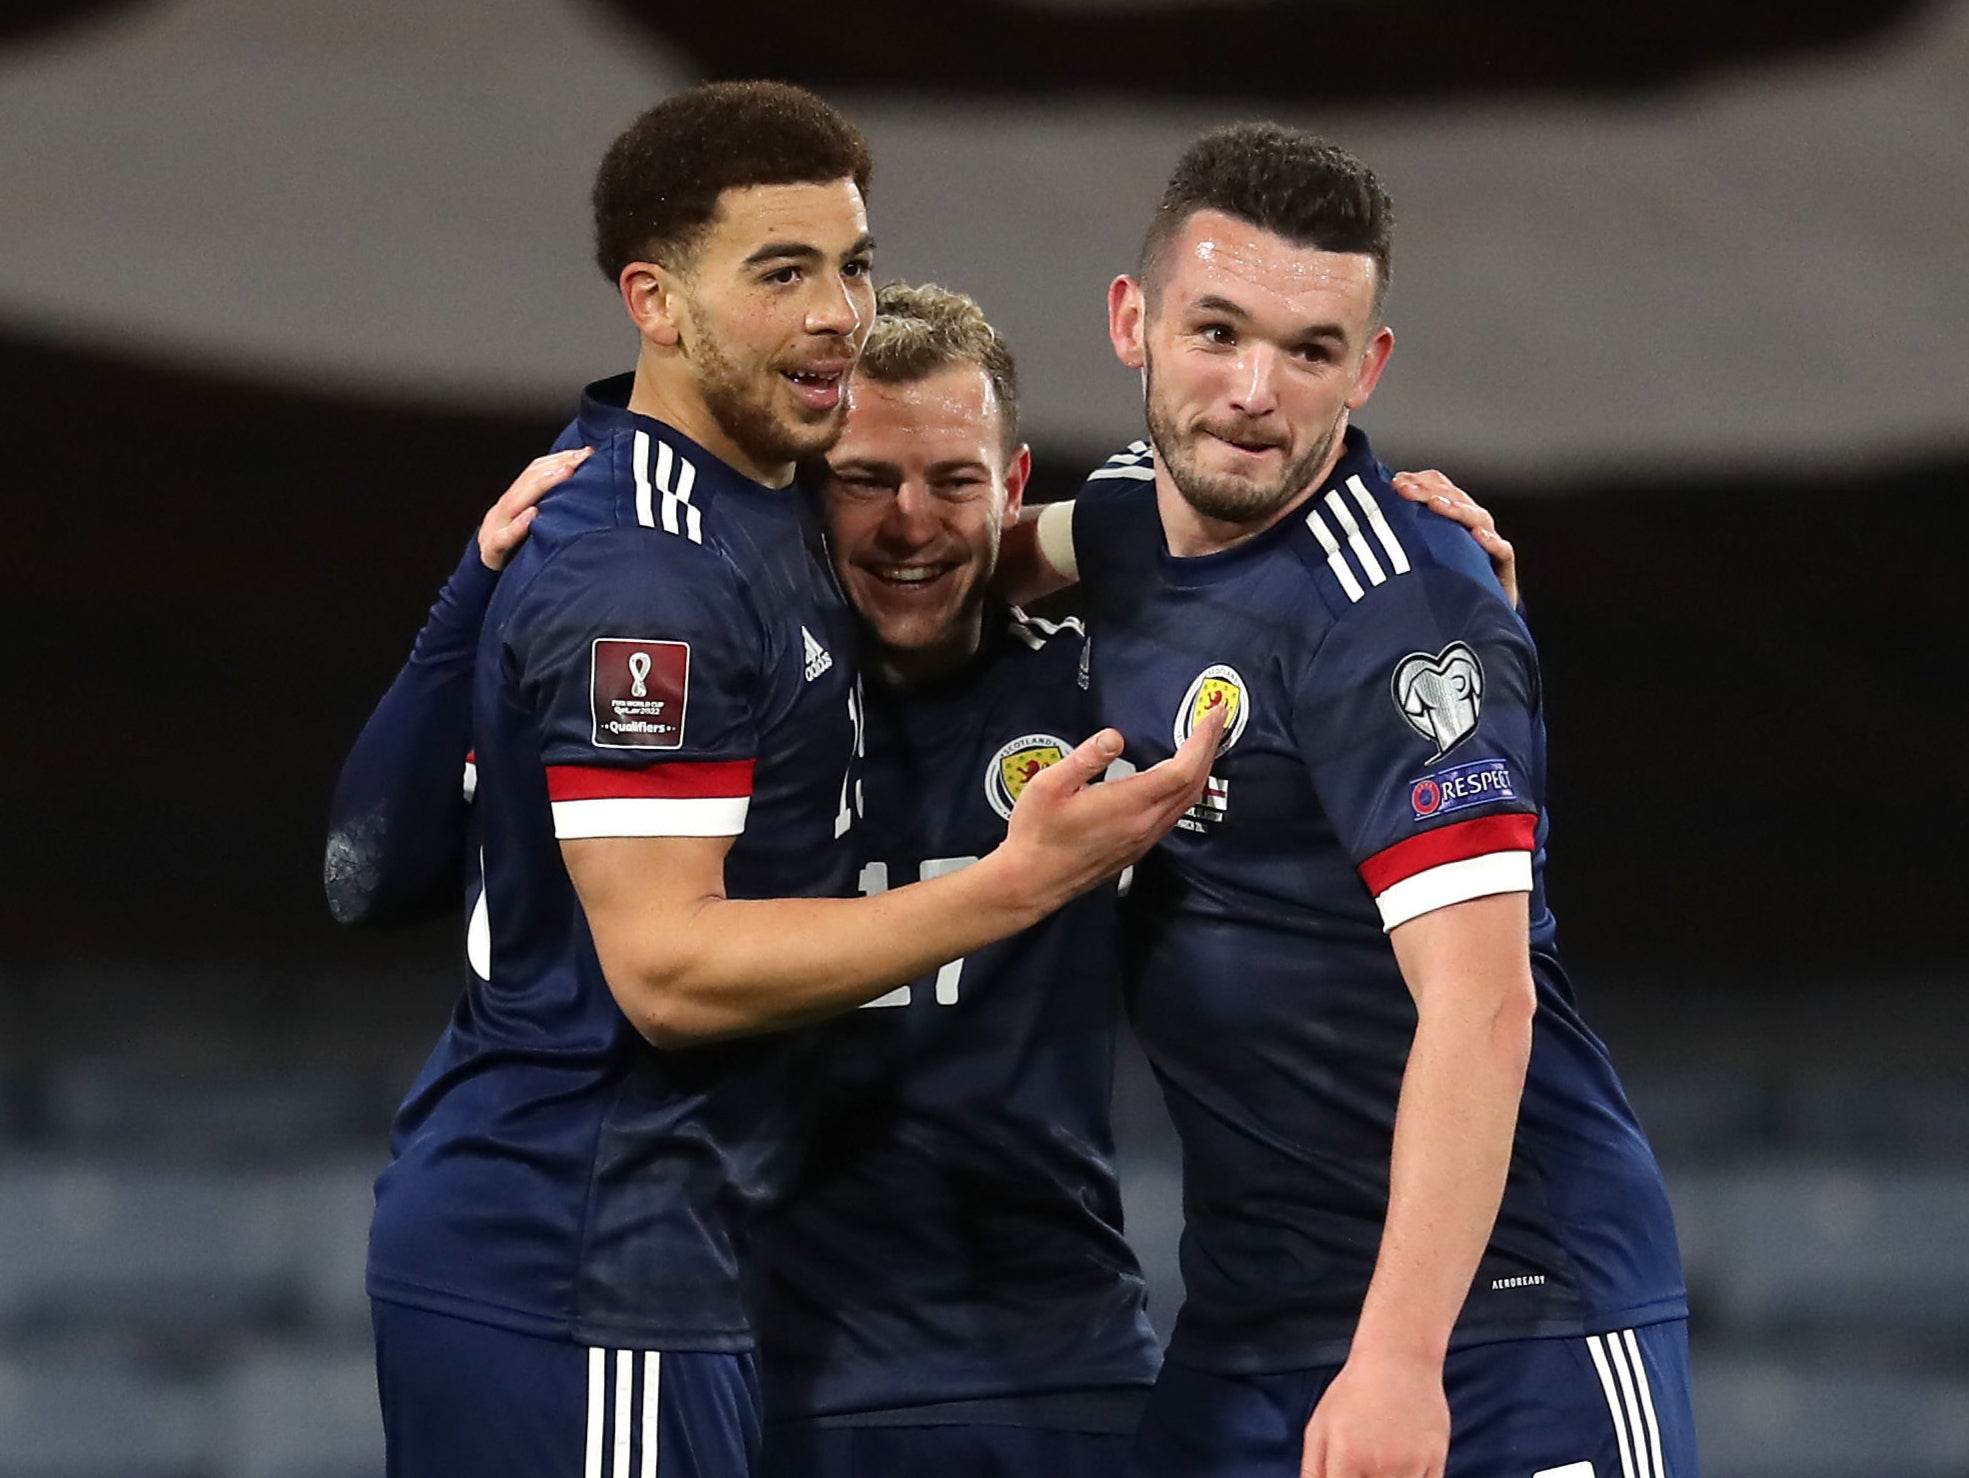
(652,1389)
(1647,1402)
(619,1430)
(1596,1347)
(591,1466)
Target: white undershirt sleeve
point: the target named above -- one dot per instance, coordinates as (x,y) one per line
(1056,539)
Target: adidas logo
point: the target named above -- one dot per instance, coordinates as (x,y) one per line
(818,658)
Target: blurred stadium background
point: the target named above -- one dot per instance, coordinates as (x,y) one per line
(288,292)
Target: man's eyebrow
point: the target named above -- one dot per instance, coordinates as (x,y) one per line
(1323,331)
(960,464)
(796,251)
(1211,303)
(864,464)
(806,251)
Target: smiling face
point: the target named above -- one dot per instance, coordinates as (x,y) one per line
(919,490)
(756,332)
(1254,352)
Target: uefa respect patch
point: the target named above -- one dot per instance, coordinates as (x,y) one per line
(1459,787)
(637,692)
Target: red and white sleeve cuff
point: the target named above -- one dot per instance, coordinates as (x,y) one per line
(1451,864)
(701,798)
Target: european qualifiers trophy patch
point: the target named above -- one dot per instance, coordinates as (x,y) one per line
(1440,697)
(637,693)
(1006,776)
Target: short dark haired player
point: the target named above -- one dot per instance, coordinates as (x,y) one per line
(666,724)
(1423,1231)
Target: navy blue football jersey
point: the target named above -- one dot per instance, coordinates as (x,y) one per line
(1384,756)
(955,1233)
(667,655)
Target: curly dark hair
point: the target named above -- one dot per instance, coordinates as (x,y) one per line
(1283,180)
(659,183)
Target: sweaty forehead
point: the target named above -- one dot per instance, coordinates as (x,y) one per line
(948,408)
(1222,255)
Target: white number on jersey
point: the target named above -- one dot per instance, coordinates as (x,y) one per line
(875,879)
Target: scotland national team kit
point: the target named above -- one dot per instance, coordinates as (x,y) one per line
(556,1262)
(667,655)
(948,1289)
(1383,757)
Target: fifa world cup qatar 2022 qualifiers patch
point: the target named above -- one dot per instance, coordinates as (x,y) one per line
(637,692)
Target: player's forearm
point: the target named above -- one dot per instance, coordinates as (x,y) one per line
(1455,1122)
(396,825)
(760,965)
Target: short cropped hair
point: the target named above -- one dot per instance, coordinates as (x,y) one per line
(1282,180)
(659,184)
(920,330)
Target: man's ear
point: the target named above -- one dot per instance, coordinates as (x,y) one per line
(1127,321)
(1373,362)
(651,294)
(1017,474)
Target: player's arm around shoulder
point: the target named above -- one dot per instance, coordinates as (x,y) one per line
(397,816)
(1043,553)
(1036,555)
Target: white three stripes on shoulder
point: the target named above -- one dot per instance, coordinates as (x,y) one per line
(1356,539)
(1135,463)
(675,477)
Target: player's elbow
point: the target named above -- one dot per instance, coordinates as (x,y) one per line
(671,1024)
(1515,1008)
(350,872)
(661,1002)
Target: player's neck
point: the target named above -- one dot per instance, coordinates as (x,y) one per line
(1190,534)
(900,667)
(666,391)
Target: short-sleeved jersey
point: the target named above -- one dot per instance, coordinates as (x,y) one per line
(1384,757)
(667,655)
(955,1235)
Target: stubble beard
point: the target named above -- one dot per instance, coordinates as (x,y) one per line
(744,409)
(1227,499)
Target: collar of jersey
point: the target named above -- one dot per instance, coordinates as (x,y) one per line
(1207,569)
(605,412)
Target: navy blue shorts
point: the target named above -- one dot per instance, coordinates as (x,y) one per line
(464,1398)
(1608,1406)
(797,1450)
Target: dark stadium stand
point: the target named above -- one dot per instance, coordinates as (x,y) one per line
(181,1245)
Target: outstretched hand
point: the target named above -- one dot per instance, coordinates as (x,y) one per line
(1446,498)
(503,529)
(1070,834)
